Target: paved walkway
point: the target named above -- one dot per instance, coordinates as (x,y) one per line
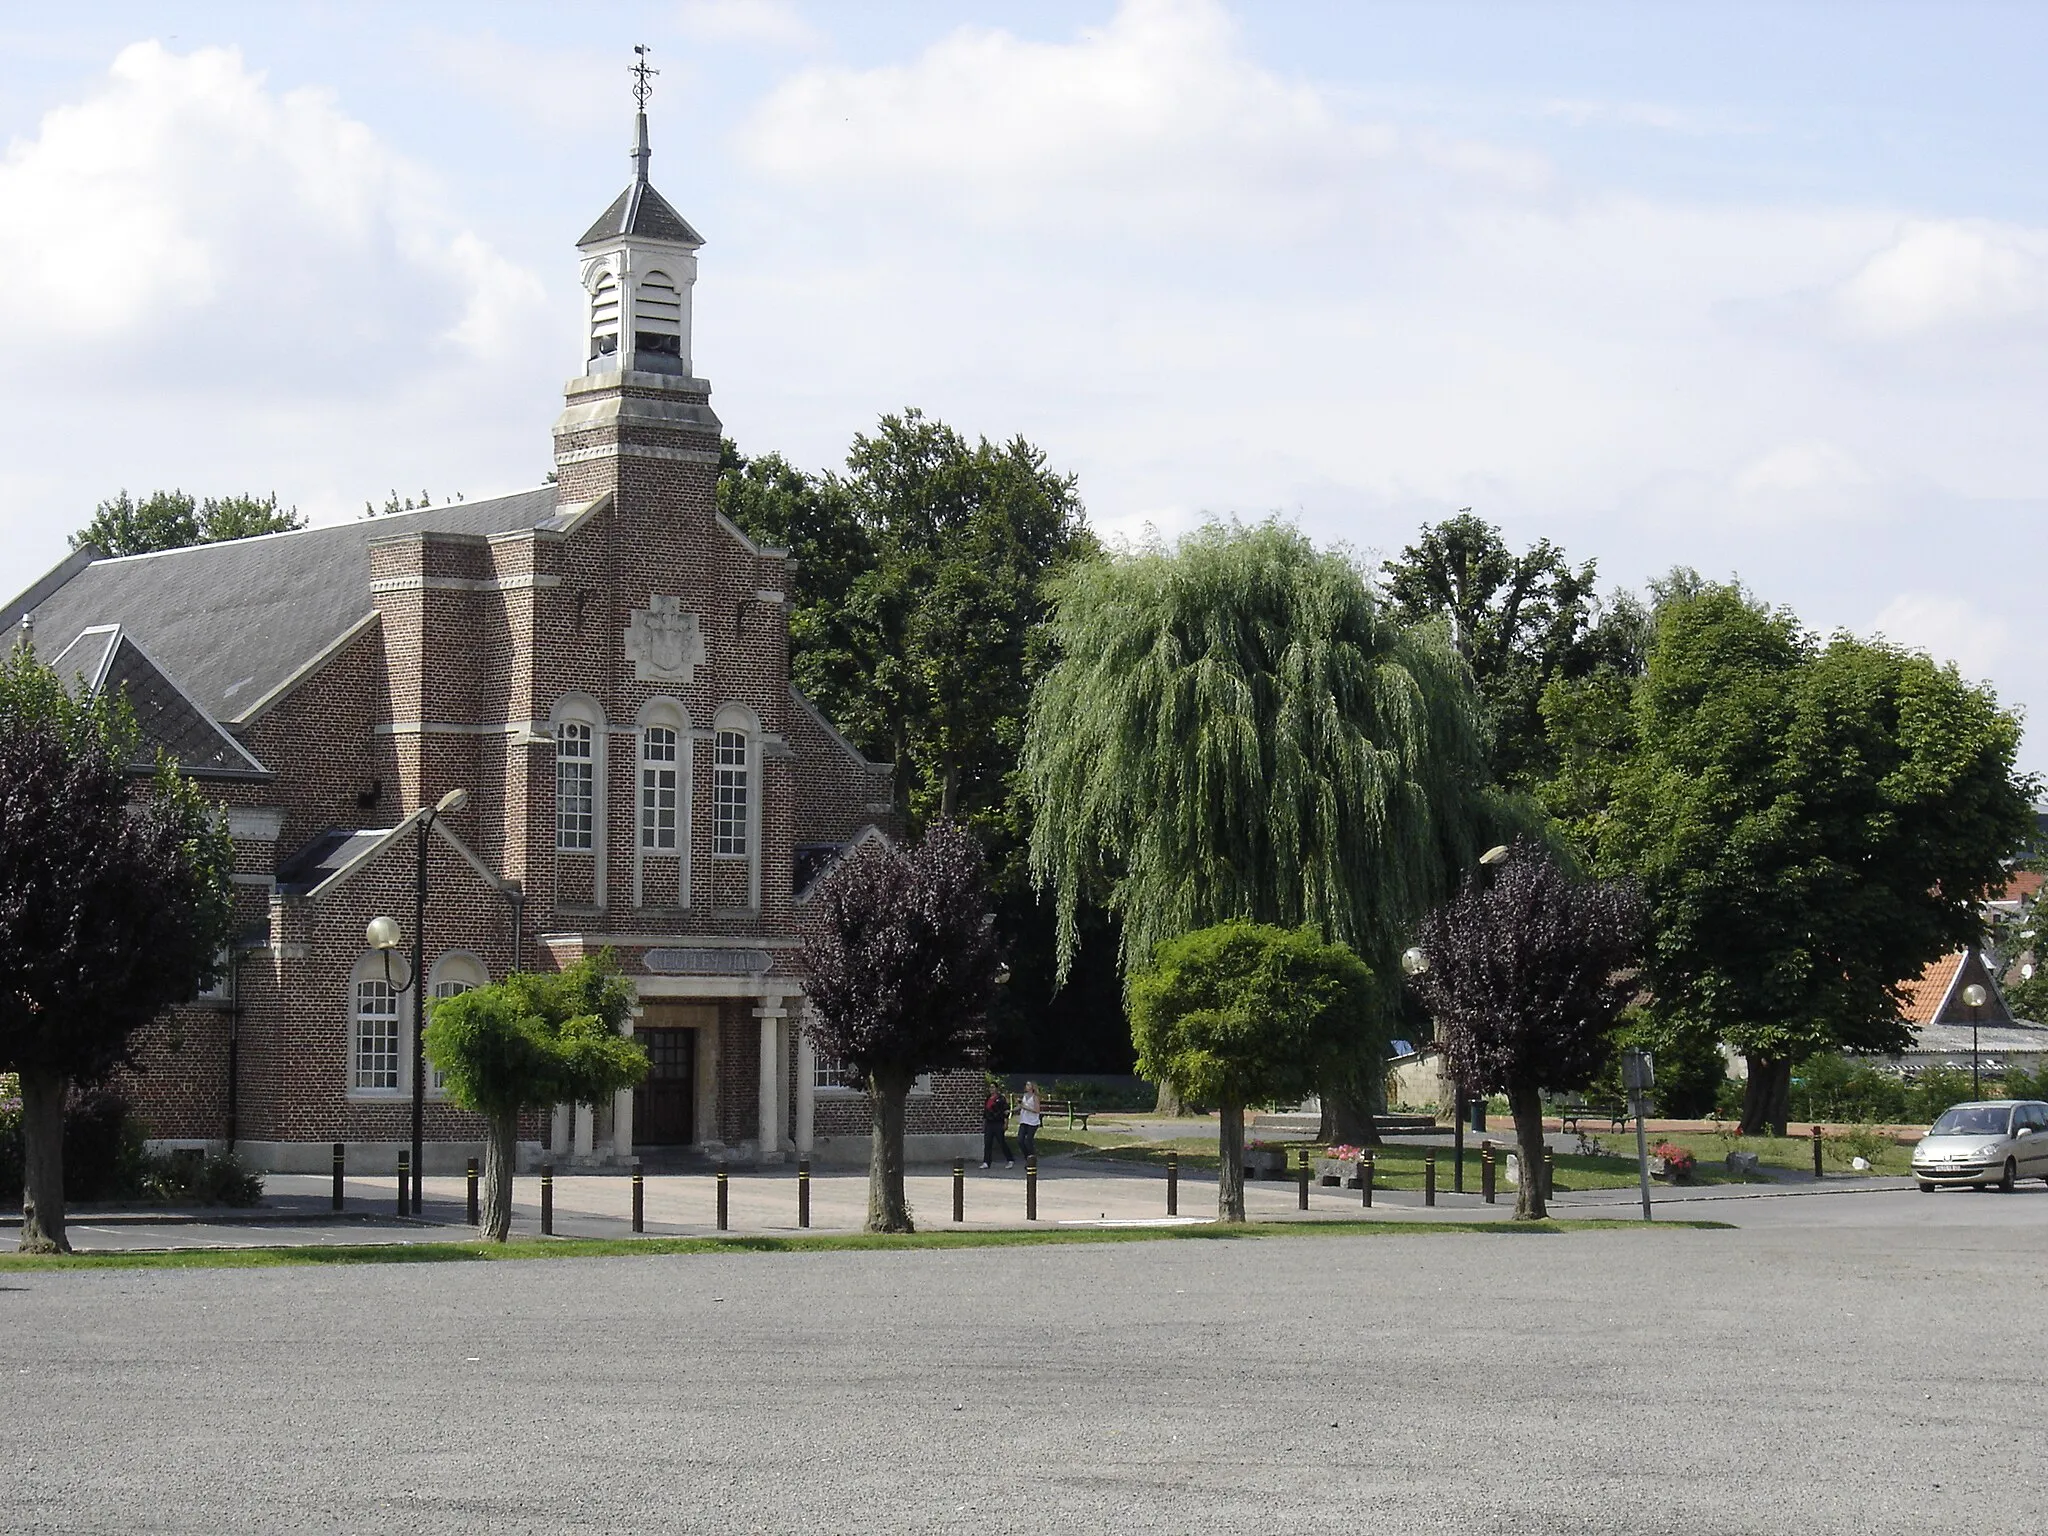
(297,1207)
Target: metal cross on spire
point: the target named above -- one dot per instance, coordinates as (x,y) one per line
(642,73)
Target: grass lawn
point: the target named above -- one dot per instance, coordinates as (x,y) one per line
(646,1247)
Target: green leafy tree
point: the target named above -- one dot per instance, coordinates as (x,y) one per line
(1519,621)
(525,1043)
(1237,729)
(1242,1014)
(899,966)
(113,907)
(1527,971)
(1813,824)
(174,520)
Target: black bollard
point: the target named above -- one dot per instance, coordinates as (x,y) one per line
(473,1215)
(959,1190)
(1301,1181)
(803,1191)
(547,1199)
(639,1196)
(1173,1183)
(337,1175)
(1486,1172)
(1816,1152)
(1365,1178)
(1429,1177)
(722,1210)
(404,1159)
(1031,1188)
(1549,1174)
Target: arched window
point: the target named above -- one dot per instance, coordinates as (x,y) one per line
(376,1028)
(658,316)
(575,786)
(604,316)
(453,975)
(658,788)
(731,795)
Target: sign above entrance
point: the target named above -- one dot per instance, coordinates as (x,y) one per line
(708,962)
(663,642)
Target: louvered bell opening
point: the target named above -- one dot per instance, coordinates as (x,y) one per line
(658,317)
(604,318)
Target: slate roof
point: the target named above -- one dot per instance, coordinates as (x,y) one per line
(106,660)
(231,621)
(331,851)
(642,211)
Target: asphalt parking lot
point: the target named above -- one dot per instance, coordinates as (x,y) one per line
(1857,1362)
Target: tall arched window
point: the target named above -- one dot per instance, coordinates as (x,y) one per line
(453,975)
(659,797)
(376,1029)
(575,786)
(732,796)
(604,316)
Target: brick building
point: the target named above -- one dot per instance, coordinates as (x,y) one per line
(602,665)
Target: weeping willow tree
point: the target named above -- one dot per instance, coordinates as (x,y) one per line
(1236,729)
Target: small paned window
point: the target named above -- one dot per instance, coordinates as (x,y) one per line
(729,830)
(575,786)
(658,789)
(454,986)
(376,1053)
(834,1073)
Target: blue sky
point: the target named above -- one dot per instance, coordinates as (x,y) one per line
(1760,289)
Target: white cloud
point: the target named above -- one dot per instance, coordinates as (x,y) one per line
(1802,467)
(763,23)
(1949,628)
(185,209)
(1946,273)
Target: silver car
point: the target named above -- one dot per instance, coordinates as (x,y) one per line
(1996,1141)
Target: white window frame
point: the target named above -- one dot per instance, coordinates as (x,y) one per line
(367,982)
(454,973)
(732,785)
(569,802)
(661,749)
(830,1074)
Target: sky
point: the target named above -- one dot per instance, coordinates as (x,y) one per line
(1757,289)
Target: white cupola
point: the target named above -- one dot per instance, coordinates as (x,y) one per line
(639,266)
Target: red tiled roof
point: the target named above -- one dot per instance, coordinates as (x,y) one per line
(1923,994)
(2021,885)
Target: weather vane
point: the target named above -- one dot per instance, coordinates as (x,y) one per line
(642,73)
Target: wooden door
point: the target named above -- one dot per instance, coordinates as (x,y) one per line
(664,1106)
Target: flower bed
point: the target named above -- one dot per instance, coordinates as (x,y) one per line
(1673,1162)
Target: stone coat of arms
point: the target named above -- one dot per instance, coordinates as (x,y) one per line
(663,642)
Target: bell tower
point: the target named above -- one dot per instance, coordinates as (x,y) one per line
(637,396)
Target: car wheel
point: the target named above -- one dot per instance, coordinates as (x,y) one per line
(2005,1184)
(1926,1188)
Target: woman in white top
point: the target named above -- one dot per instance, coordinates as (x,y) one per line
(1028,1120)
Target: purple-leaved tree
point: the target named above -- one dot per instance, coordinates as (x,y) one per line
(901,964)
(1527,971)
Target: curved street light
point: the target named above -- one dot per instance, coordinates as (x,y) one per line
(1974,996)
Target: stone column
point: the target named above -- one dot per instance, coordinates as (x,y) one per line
(558,1132)
(806,1088)
(770,1014)
(622,1116)
(586,1130)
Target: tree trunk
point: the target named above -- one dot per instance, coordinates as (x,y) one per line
(1348,1113)
(1527,1105)
(888,1210)
(1168,1106)
(42,1147)
(1766,1097)
(949,792)
(1230,1159)
(494,1205)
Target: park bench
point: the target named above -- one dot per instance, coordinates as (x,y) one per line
(1571,1116)
(1076,1117)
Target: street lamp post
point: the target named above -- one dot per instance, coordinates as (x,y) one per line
(383,934)
(1973,998)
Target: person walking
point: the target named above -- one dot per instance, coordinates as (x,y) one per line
(1029,1118)
(995,1125)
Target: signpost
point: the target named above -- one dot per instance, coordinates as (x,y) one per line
(1638,1076)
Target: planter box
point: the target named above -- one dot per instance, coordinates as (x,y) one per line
(1265,1163)
(1336,1171)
